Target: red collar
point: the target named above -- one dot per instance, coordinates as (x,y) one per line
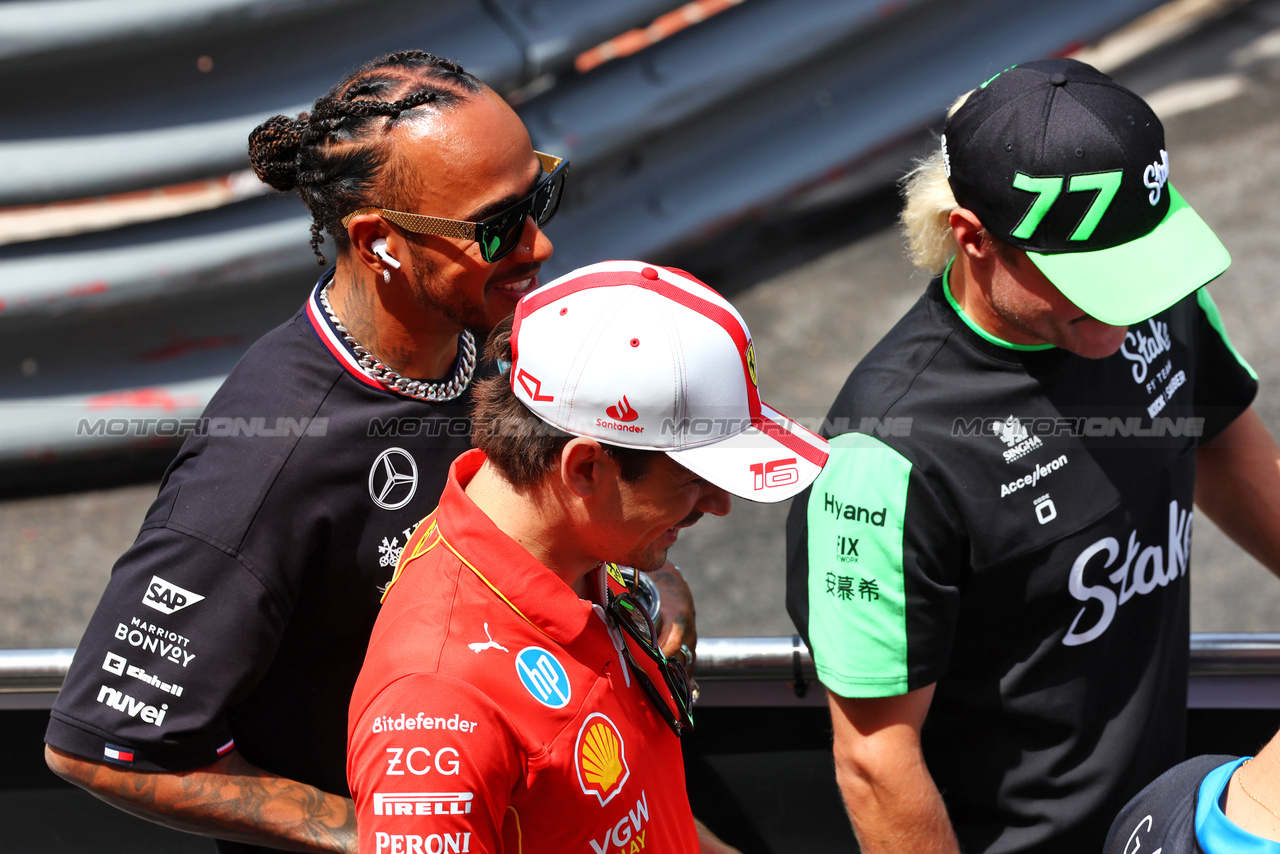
(531,589)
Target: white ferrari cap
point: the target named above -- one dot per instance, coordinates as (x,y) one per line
(649,357)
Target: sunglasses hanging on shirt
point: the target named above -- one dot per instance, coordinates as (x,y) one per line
(626,612)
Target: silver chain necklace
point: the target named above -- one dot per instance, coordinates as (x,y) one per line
(417,389)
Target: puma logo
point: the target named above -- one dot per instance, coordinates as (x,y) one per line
(492,644)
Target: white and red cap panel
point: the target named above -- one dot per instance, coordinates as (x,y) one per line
(649,357)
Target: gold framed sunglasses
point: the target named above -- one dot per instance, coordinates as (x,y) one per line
(497,234)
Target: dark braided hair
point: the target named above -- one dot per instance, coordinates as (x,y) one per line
(334,156)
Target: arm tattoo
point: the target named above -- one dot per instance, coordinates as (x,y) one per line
(230,799)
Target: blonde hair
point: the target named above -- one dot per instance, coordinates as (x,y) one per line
(926,216)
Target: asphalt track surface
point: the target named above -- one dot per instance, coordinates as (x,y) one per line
(818,290)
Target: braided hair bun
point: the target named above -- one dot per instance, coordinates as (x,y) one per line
(334,155)
(274,146)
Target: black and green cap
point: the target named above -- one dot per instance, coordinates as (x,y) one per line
(1057,159)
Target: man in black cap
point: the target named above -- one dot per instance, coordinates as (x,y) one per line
(996,589)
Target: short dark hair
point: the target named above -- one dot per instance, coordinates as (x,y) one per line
(520,444)
(336,155)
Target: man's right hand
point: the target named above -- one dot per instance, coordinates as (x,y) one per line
(891,798)
(229,799)
(677,623)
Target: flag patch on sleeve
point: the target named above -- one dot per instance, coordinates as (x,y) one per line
(122,755)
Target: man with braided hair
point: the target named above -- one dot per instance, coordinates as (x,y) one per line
(210,690)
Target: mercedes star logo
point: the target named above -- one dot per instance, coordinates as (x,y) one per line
(393,479)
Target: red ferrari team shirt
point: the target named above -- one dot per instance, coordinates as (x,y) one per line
(495,712)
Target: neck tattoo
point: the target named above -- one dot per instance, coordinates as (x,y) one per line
(439,392)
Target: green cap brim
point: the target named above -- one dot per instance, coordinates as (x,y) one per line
(1136,280)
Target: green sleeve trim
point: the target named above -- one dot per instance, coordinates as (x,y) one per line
(1210,309)
(999,342)
(857,595)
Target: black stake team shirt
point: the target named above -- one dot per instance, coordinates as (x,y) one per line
(1014,524)
(240,616)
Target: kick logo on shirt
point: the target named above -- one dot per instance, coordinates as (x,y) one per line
(544,677)
(168,598)
(601,758)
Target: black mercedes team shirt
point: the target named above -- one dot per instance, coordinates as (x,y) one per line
(1013,524)
(240,616)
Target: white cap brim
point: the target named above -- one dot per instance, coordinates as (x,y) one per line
(766,463)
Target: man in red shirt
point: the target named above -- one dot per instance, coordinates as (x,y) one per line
(512,697)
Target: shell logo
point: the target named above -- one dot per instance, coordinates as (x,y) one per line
(615,573)
(601,758)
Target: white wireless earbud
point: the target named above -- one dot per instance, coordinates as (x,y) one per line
(380,249)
